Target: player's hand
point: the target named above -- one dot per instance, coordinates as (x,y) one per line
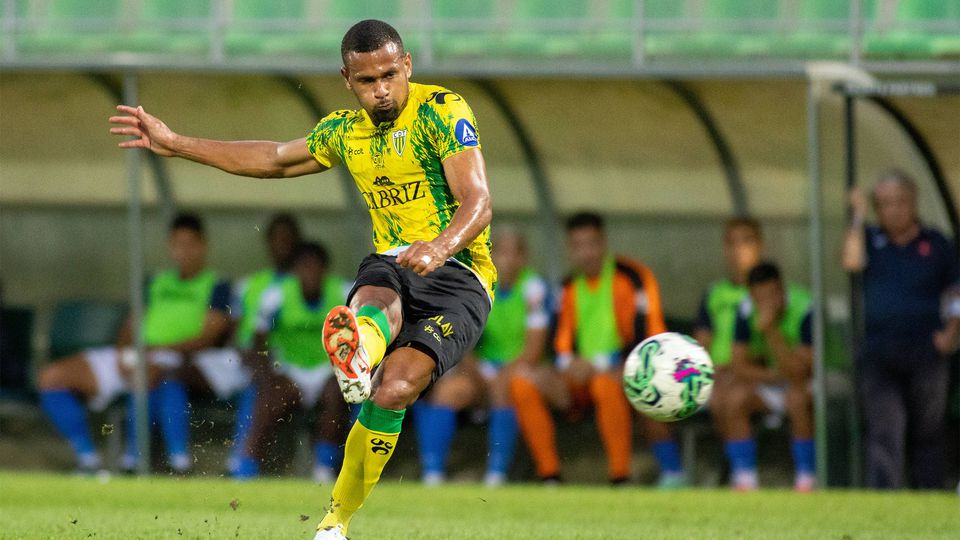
(579,371)
(421,257)
(858,204)
(945,342)
(150,132)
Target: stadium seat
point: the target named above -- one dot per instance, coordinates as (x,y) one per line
(917,29)
(731,28)
(822,30)
(465,29)
(297,28)
(16,350)
(69,27)
(169,26)
(81,324)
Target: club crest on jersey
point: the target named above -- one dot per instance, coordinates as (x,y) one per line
(465,133)
(399,141)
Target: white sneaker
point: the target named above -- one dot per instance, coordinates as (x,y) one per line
(331,533)
(745,480)
(494,479)
(323,474)
(805,483)
(341,339)
(433,479)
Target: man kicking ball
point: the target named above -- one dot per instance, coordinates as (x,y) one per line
(421,301)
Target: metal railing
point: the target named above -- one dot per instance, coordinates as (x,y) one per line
(637,35)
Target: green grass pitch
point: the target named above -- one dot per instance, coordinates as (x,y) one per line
(64,507)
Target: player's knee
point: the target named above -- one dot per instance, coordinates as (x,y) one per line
(53,376)
(738,400)
(396,394)
(453,393)
(797,401)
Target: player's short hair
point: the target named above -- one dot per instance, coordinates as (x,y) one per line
(582,220)
(746,223)
(283,219)
(310,249)
(762,273)
(897,176)
(188,221)
(367,36)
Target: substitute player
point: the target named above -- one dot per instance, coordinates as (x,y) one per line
(772,361)
(291,370)
(516,334)
(717,316)
(421,301)
(282,236)
(185,313)
(607,306)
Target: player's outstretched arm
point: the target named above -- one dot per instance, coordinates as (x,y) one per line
(257,159)
(466,175)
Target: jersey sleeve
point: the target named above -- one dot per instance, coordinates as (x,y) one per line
(535,297)
(703,316)
(220,297)
(806,329)
(326,139)
(741,332)
(269,308)
(457,129)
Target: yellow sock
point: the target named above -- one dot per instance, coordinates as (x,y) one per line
(373,339)
(366,454)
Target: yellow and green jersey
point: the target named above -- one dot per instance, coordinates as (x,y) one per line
(398,167)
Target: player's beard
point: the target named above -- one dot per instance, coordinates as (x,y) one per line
(381,116)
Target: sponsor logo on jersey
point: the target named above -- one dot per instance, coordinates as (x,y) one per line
(399,141)
(394,194)
(466,134)
(381,181)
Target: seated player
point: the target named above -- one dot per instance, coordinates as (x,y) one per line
(742,246)
(607,307)
(283,236)
(516,332)
(772,366)
(291,367)
(185,312)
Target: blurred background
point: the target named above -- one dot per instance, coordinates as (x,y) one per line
(666,116)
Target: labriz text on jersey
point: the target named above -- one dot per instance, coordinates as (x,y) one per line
(394,196)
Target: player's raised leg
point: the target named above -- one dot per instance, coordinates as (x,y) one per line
(356,337)
(370,444)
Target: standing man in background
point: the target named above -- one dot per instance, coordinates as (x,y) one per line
(608,306)
(903,372)
(421,301)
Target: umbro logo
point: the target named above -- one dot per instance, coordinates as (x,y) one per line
(383,181)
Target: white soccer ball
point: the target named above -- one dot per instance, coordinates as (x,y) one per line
(668,376)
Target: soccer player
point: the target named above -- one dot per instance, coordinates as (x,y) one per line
(772,362)
(283,236)
(185,312)
(742,247)
(291,370)
(421,301)
(516,333)
(608,306)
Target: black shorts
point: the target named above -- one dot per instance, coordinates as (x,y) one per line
(443,313)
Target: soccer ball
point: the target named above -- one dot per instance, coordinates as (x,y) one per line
(668,376)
